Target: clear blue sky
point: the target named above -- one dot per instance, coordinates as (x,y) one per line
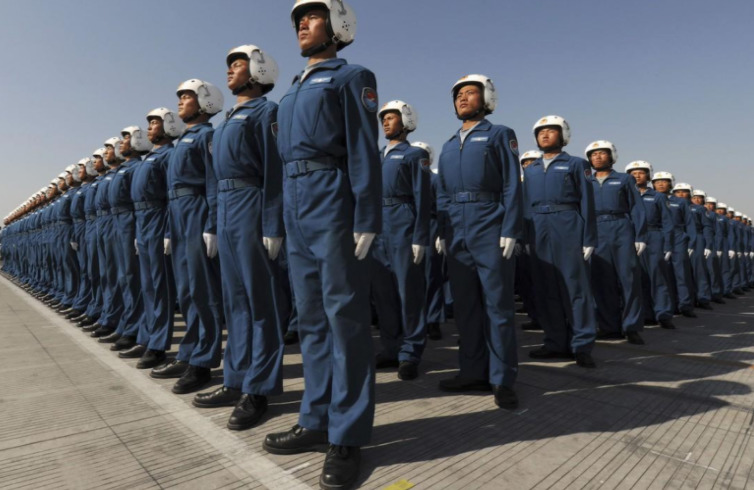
(667,81)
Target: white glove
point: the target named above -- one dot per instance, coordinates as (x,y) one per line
(440,246)
(507,244)
(136,247)
(640,247)
(731,254)
(75,246)
(690,251)
(527,249)
(272,244)
(707,253)
(587,252)
(751,255)
(739,255)
(667,256)
(210,241)
(719,253)
(418,251)
(166,245)
(363,241)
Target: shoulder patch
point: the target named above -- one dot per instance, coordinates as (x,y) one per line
(369,99)
(587,172)
(513,144)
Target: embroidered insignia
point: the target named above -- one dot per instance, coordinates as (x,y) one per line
(369,99)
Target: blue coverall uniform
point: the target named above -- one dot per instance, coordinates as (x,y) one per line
(658,304)
(332,189)
(91,237)
(682,285)
(705,239)
(107,236)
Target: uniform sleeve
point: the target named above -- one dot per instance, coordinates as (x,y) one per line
(210,183)
(638,211)
(272,207)
(707,230)
(422,187)
(667,224)
(689,224)
(586,204)
(363,161)
(511,193)
(443,202)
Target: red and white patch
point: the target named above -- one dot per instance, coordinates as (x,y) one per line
(588,172)
(514,146)
(369,99)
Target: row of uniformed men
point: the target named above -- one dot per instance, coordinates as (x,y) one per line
(309,170)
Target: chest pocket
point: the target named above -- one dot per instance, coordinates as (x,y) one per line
(317,107)
(560,175)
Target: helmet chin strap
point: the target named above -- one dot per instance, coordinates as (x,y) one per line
(192,117)
(307,53)
(246,86)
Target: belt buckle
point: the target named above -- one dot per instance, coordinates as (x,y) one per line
(463,197)
(545,208)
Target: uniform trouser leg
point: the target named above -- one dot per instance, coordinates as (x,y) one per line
(252,298)
(734,274)
(332,297)
(605,286)
(562,253)
(130,280)
(201,287)
(682,274)
(657,269)
(70,268)
(525,285)
(387,302)
(701,273)
(84,297)
(158,294)
(94,310)
(412,293)
(716,278)
(290,320)
(112,306)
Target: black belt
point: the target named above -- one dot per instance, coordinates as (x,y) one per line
(610,217)
(240,183)
(142,205)
(553,208)
(121,209)
(303,167)
(65,221)
(654,228)
(102,212)
(394,201)
(183,191)
(464,197)
(91,217)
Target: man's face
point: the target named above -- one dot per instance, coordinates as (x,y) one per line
(312,29)
(392,124)
(601,159)
(710,206)
(82,172)
(641,177)
(188,104)
(238,73)
(62,185)
(721,211)
(99,163)
(682,194)
(155,130)
(662,185)
(110,157)
(698,200)
(469,100)
(549,137)
(69,180)
(125,144)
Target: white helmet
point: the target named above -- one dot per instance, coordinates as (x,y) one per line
(639,165)
(88,163)
(139,141)
(664,176)
(682,186)
(171,123)
(731,209)
(711,199)
(558,121)
(698,192)
(210,98)
(262,67)
(737,214)
(115,143)
(488,90)
(341,23)
(602,145)
(531,155)
(426,147)
(72,169)
(409,117)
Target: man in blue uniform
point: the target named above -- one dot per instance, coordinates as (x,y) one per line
(728,254)
(657,303)
(398,278)
(149,191)
(436,268)
(332,199)
(479,197)
(78,246)
(621,239)
(703,249)
(524,284)
(250,232)
(684,236)
(715,258)
(96,169)
(192,217)
(561,236)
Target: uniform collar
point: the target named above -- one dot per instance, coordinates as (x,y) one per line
(562,156)
(249,104)
(196,128)
(331,64)
(594,174)
(400,146)
(159,150)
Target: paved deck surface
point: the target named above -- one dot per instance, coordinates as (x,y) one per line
(676,413)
